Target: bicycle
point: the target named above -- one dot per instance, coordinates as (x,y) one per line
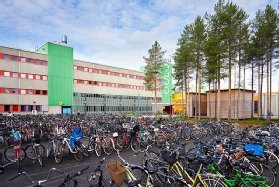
(39,182)
(35,150)
(72,178)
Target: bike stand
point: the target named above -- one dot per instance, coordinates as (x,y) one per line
(2,165)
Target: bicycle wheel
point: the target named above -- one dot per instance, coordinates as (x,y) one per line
(93,178)
(9,154)
(135,145)
(107,145)
(79,154)
(84,150)
(49,150)
(33,153)
(58,152)
(186,134)
(272,159)
(211,182)
(98,149)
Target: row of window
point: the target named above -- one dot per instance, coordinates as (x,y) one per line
(106,72)
(110,108)
(23,75)
(19,108)
(22,59)
(111,96)
(108,84)
(22,91)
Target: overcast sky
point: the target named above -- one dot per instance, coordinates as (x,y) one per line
(112,32)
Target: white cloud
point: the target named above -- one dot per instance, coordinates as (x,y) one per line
(112,32)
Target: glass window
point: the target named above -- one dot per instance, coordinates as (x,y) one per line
(38,62)
(85,69)
(38,77)
(7,90)
(38,108)
(75,67)
(31,92)
(85,82)
(6,74)
(15,91)
(6,57)
(15,74)
(23,91)
(23,75)
(44,92)
(23,108)
(30,76)
(22,59)
(90,70)
(80,68)
(75,81)
(95,71)
(30,107)
(15,58)
(38,92)
(44,62)
(44,78)
(6,108)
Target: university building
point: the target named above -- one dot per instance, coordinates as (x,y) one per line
(50,80)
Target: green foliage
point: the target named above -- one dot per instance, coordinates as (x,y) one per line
(154,62)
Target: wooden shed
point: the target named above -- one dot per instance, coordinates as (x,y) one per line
(241,103)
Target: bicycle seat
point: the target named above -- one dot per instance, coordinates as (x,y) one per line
(151,169)
(191,157)
(132,183)
(204,159)
(244,165)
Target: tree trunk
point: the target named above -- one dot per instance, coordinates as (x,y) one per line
(230,84)
(267,88)
(252,105)
(182,94)
(196,96)
(259,91)
(185,106)
(270,83)
(262,73)
(219,91)
(155,97)
(208,104)
(238,93)
(199,96)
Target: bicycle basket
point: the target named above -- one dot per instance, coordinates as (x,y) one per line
(257,150)
(168,157)
(15,135)
(116,171)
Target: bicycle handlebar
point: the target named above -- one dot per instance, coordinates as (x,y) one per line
(40,181)
(50,171)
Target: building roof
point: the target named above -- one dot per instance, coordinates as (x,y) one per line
(233,89)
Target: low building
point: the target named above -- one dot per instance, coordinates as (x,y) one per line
(241,103)
(274,113)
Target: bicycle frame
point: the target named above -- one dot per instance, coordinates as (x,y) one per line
(178,169)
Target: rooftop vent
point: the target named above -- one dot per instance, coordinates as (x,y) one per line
(64,39)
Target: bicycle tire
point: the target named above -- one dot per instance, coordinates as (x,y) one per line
(98,149)
(31,152)
(107,146)
(211,182)
(84,150)
(135,145)
(79,154)
(272,159)
(49,150)
(58,152)
(9,154)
